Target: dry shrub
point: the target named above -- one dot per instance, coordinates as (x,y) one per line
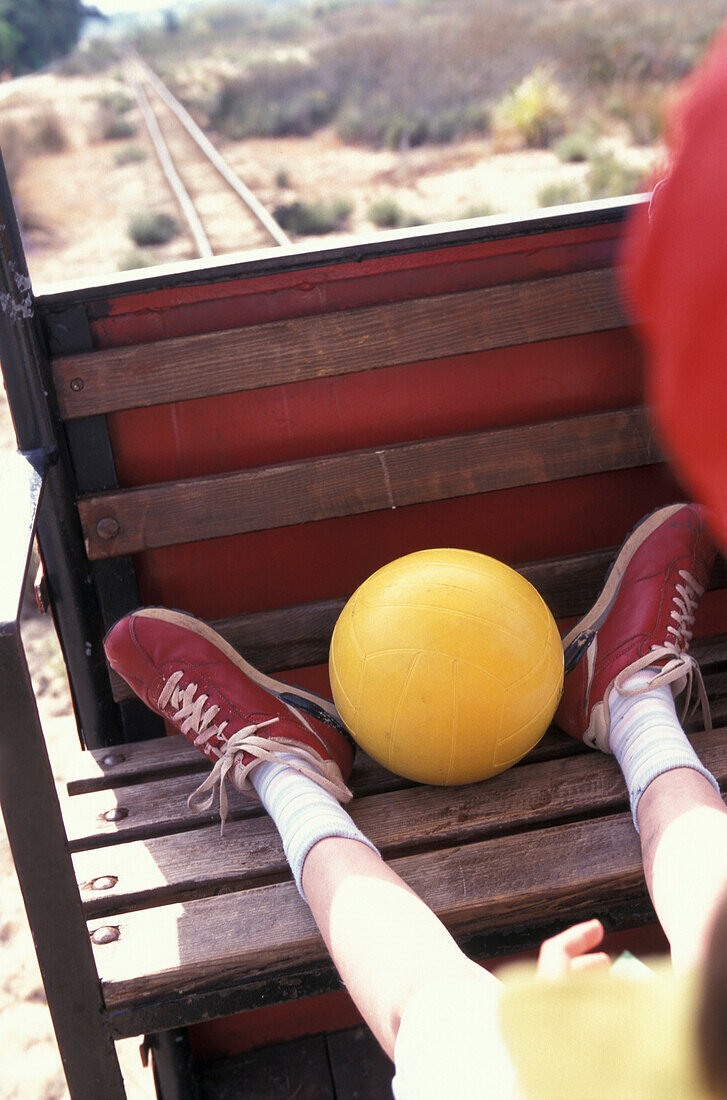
(388,214)
(14,151)
(533,114)
(559,194)
(608,177)
(149,228)
(306,219)
(108,125)
(48,133)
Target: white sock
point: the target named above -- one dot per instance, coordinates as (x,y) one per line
(647,738)
(302,811)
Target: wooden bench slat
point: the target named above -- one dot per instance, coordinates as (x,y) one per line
(158,806)
(164,869)
(364,481)
(491,884)
(344,342)
(169,757)
(292,637)
(155,806)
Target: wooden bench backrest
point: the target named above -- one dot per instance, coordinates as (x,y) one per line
(279,433)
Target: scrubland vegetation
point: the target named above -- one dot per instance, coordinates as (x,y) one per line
(410,72)
(351,115)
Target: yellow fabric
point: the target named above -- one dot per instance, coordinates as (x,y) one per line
(601,1036)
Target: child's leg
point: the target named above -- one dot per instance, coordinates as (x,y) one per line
(386,943)
(683,825)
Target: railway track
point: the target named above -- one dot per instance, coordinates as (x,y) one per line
(221,212)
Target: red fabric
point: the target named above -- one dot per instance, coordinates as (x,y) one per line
(676,276)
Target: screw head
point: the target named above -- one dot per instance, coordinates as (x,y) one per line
(104,882)
(109,933)
(117,814)
(113,758)
(77,384)
(107,528)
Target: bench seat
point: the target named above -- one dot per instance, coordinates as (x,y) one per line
(207,921)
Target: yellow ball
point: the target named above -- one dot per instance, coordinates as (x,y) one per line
(446,666)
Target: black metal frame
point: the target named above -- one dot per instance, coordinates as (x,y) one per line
(74,605)
(33,818)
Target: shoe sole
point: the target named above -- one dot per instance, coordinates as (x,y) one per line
(641,532)
(275,687)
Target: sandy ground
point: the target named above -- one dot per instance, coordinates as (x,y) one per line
(30,1067)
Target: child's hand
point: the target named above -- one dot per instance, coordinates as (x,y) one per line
(572,950)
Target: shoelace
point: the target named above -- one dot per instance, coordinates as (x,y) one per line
(193,715)
(674,651)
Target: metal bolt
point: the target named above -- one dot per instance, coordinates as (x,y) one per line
(108,934)
(113,758)
(105,882)
(107,528)
(77,384)
(117,814)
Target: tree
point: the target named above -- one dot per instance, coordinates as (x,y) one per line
(34,32)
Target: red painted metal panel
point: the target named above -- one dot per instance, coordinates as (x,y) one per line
(291,565)
(551,379)
(205,307)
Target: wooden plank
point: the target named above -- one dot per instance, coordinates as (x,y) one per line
(153,806)
(558,872)
(171,868)
(121,765)
(364,481)
(168,757)
(340,342)
(292,637)
(281,1071)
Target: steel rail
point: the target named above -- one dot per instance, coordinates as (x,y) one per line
(201,240)
(230,177)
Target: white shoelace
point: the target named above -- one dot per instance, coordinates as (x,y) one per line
(673,650)
(193,715)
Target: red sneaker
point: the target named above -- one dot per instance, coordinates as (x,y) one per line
(643,618)
(182,669)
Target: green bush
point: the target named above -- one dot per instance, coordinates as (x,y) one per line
(534,112)
(641,109)
(95,55)
(14,151)
(117,102)
(479,210)
(576,147)
(559,194)
(273,100)
(387,214)
(310,219)
(152,228)
(48,134)
(135,259)
(108,126)
(609,177)
(130,154)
